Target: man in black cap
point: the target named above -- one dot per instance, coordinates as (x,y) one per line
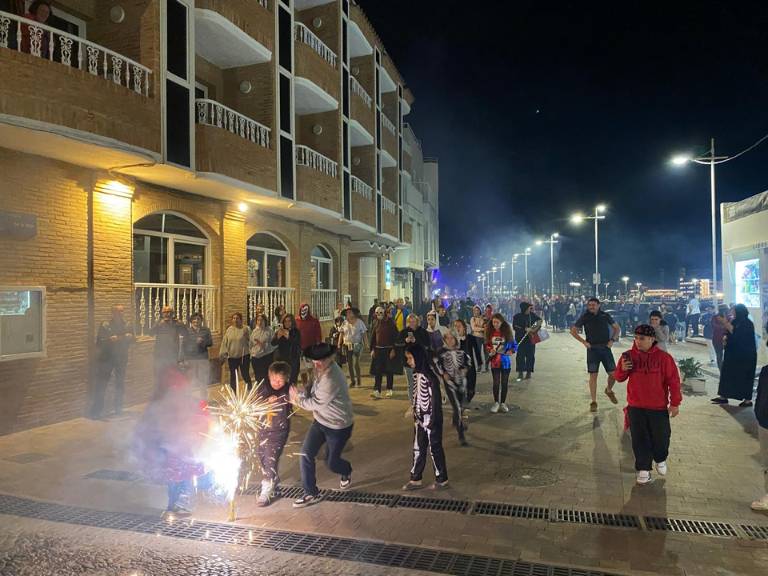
(328,400)
(525,324)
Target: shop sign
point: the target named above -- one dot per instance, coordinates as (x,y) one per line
(18,225)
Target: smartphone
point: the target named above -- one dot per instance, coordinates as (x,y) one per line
(627,357)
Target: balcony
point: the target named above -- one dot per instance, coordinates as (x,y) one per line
(234,33)
(317,179)
(63,80)
(185,299)
(232,145)
(362,116)
(270,299)
(363,206)
(324,303)
(390,220)
(316,83)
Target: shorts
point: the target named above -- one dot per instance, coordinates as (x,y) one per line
(600,355)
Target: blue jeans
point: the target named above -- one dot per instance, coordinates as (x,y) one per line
(317,435)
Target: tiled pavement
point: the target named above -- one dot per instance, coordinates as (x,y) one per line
(583,462)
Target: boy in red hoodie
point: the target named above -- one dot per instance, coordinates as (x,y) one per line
(653,395)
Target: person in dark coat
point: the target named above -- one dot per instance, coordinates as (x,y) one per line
(168,334)
(525,324)
(113,340)
(761,412)
(466,344)
(288,342)
(737,376)
(384,354)
(412,335)
(196,343)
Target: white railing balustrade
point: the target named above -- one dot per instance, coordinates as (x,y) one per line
(358,89)
(305,156)
(305,35)
(270,299)
(360,187)
(52,44)
(387,123)
(388,205)
(212,113)
(324,303)
(185,299)
(263,3)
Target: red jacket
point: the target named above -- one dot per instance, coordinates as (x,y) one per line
(309,328)
(654,381)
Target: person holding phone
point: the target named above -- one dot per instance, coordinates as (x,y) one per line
(653,396)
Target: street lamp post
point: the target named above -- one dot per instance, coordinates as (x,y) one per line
(501,278)
(578,219)
(625,279)
(526,254)
(512,273)
(552,241)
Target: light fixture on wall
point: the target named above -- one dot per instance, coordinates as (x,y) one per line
(246,86)
(243,207)
(356,160)
(317,129)
(117,14)
(317,22)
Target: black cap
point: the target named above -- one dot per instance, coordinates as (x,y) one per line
(319,351)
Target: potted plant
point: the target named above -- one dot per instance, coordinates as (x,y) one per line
(692,374)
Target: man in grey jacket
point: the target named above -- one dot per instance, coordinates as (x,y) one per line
(328,400)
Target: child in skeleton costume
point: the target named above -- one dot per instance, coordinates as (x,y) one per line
(452,364)
(428,420)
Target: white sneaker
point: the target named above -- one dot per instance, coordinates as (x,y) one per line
(376,394)
(495,407)
(760,505)
(661,468)
(388,393)
(503,407)
(644,477)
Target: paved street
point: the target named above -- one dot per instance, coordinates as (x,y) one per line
(549,453)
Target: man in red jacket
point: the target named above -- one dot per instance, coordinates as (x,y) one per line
(311,334)
(653,395)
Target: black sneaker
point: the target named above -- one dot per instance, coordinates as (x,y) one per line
(307,500)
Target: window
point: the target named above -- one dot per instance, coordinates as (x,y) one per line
(267,261)
(321,274)
(22,322)
(169,249)
(179,86)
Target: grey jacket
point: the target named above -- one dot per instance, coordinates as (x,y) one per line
(329,399)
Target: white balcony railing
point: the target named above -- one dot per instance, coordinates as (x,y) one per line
(185,299)
(358,89)
(388,205)
(263,3)
(305,35)
(360,187)
(387,124)
(324,303)
(211,113)
(270,299)
(305,156)
(52,44)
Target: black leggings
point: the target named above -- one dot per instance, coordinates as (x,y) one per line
(244,365)
(500,384)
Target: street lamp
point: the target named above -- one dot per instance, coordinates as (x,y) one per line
(639,285)
(501,277)
(526,254)
(712,160)
(578,219)
(552,241)
(512,272)
(625,279)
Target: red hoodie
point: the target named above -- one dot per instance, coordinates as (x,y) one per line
(309,328)
(654,382)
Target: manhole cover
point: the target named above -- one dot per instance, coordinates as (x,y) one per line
(528,477)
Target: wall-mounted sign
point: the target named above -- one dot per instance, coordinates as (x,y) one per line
(17,225)
(387,274)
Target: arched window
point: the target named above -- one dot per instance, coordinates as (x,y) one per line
(322,269)
(169,249)
(267,261)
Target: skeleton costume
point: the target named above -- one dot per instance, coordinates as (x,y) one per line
(428,418)
(452,366)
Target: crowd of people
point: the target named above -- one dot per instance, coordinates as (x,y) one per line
(441,348)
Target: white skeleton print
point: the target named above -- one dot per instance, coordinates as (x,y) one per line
(422,396)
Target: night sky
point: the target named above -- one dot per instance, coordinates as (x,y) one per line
(538,109)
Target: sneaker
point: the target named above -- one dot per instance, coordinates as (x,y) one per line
(719,400)
(413,485)
(375,394)
(307,500)
(644,477)
(527,375)
(661,468)
(611,395)
(745,404)
(503,407)
(760,505)
(345,482)
(439,485)
(495,407)
(388,393)
(519,377)
(593,406)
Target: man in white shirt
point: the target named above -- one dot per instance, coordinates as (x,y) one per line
(693,316)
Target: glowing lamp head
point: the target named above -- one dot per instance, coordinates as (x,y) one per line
(556,235)
(539,242)
(680,160)
(577,218)
(243,207)
(600,208)
(625,278)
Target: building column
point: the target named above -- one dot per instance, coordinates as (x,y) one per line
(234,273)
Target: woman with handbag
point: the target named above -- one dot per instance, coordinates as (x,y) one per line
(526,325)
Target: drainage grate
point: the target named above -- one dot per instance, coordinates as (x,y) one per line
(755,532)
(27,458)
(441,504)
(598,518)
(722,529)
(116,475)
(367,551)
(370,498)
(510,510)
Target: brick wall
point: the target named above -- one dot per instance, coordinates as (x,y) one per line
(407,232)
(359,111)
(318,188)
(220,151)
(329,30)
(364,210)
(390,223)
(365,74)
(389,184)
(82,101)
(212,77)
(259,103)
(389,105)
(389,141)
(247,15)
(366,169)
(310,65)
(328,143)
